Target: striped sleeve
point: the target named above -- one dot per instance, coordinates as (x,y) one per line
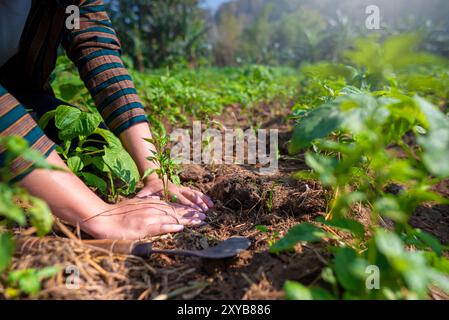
(16,121)
(95,50)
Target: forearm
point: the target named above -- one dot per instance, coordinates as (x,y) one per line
(67,196)
(139,149)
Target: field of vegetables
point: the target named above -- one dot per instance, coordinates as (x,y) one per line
(358,209)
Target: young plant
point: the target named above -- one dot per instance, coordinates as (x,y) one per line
(93,153)
(272,237)
(358,168)
(356,129)
(167,168)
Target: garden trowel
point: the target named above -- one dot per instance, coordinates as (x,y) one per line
(225,249)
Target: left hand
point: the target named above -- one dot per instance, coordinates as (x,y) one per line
(189,197)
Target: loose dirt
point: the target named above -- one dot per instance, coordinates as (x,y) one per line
(244,199)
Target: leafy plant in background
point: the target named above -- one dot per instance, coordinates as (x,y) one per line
(93,153)
(359,149)
(17,207)
(358,169)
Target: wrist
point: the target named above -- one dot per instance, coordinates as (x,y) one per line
(94,222)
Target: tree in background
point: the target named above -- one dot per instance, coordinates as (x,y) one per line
(296,31)
(155,33)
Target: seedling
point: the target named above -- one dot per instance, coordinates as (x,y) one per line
(167,169)
(272,237)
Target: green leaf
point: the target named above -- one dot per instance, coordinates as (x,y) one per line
(69,90)
(436,146)
(72,122)
(175,179)
(301,232)
(26,279)
(8,208)
(323,166)
(440,263)
(436,142)
(262,228)
(345,260)
(318,123)
(45,119)
(109,137)
(355,227)
(122,165)
(440,280)
(29,280)
(47,272)
(99,163)
(94,181)
(388,206)
(328,275)
(430,240)
(41,216)
(389,243)
(6,250)
(296,291)
(75,164)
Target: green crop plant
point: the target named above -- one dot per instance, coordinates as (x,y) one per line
(19,208)
(167,168)
(93,153)
(353,122)
(358,169)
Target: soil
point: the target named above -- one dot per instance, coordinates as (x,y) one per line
(244,199)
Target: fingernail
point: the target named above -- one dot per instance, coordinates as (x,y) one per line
(196,221)
(199,215)
(178,227)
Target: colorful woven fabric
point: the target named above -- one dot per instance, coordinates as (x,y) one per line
(95,50)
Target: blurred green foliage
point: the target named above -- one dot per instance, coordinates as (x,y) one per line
(276,32)
(19,208)
(159,32)
(365,126)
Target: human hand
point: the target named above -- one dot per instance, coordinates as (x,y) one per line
(139,218)
(180,194)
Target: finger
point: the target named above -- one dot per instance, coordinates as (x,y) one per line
(188,212)
(198,215)
(205,198)
(187,202)
(147,193)
(158,229)
(195,198)
(158,219)
(142,196)
(171,219)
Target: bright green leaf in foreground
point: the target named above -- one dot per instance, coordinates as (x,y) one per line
(301,232)
(6,250)
(72,122)
(296,291)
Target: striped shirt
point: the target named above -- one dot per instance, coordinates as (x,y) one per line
(95,50)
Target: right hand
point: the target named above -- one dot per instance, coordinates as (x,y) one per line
(137,219)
